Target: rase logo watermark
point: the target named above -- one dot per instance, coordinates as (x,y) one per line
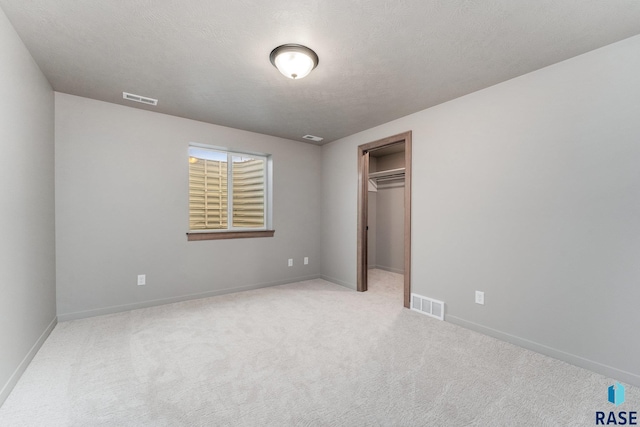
(621,418)
(616,394)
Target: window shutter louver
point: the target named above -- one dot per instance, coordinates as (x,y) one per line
(248,194)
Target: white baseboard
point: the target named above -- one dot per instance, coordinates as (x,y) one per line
(391,269)
(611,372)
(13,379)
(338,282)
(152,303)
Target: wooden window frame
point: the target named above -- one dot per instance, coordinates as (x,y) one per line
(222,235)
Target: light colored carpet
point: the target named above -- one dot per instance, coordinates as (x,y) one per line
(305,354)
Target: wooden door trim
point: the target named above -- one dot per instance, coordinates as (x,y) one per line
(363,218)
(363,199)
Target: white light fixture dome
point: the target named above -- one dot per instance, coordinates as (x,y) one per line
(293,60)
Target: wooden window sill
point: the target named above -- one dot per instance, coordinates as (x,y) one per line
(229,235)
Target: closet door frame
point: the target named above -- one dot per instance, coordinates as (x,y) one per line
(363,203)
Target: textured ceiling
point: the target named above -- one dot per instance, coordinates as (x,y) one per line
(208,60)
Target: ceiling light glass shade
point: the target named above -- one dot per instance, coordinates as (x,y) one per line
(293,60)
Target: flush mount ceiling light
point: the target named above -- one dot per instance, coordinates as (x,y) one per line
(293,60)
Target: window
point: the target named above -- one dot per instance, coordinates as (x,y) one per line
(228,194)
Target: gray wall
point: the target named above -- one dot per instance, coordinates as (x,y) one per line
(529,191)
(390,228)
(122,210)
(390,218)
(373,164)
(373,227)
(371,236)
(27,259)
(390,161)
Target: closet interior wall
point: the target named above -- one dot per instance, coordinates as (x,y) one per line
(386,216)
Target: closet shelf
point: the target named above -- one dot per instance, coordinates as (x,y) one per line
(387,175)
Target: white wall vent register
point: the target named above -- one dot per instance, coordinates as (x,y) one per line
(138,98)
(429,306)
(313,138)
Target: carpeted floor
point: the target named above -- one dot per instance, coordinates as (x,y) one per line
(305,354)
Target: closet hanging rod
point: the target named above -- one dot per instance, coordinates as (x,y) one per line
(388,178)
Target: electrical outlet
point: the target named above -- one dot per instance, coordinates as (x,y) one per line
(480,297)
(142,279)
(306,260)
(290,264)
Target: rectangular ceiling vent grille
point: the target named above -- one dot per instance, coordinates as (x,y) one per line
(138,98)
(313,138)
(429,306)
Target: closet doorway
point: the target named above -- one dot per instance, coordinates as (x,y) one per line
(381,165)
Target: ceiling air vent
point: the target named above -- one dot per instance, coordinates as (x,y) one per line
(138,98)
(313,138)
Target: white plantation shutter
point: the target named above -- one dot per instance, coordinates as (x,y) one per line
(248,193)
(209,191)
(208,195)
